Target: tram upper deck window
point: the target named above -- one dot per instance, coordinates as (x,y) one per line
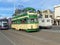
(30,11)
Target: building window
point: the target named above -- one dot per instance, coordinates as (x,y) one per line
(46,16)
(50,16)
(48,20)
(42,20)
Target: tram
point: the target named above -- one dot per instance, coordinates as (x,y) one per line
(4,24)
(25,21)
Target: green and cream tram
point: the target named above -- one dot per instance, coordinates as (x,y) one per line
(25,21)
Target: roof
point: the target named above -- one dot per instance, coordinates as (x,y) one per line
(57,6)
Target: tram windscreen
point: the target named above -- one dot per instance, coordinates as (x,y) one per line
(5,24)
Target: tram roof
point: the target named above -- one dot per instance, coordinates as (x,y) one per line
(3,19)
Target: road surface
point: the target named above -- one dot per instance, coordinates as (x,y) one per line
(12,37)
(4,40)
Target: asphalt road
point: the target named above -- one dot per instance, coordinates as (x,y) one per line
(43,37)
(4,40)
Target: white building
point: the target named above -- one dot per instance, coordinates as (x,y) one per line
(46,13)
(45,18)
(57,14)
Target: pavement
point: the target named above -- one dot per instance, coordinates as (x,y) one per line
(55,27)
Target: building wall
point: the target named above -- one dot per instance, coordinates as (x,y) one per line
(57,12)
(49,13)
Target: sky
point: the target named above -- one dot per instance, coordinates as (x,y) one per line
(7,7)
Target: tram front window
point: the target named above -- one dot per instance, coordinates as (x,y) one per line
(5,24)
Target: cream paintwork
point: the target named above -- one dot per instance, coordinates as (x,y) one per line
(31,13)
(24,26)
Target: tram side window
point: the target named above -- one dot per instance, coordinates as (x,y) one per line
(13,22)
(24,21)
(34,20)
(17,21)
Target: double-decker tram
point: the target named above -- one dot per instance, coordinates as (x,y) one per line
(4,24)
(25,21)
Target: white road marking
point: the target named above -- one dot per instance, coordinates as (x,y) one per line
(8,38)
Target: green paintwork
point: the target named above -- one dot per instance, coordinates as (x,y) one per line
(29,8)
(18,21)
(20,15)
(32,16)
(32,30)
(29,16)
